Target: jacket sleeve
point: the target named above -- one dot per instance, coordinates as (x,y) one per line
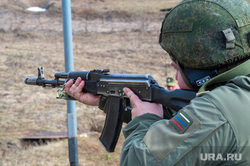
(151,140)
(134,148)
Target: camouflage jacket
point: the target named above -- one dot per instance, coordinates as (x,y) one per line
(212,130)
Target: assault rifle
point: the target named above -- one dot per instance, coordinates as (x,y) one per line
(99,82)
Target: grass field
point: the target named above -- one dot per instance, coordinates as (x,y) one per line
(121,35)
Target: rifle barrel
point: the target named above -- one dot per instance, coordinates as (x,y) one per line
(43,82)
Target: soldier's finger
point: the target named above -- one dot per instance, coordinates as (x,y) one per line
(132,96)
(80,86)
(78,81)
(68,85)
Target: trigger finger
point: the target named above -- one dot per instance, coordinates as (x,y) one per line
(132,96)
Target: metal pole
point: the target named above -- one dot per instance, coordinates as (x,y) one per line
(69,66)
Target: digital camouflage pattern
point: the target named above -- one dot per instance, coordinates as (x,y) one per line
(192,32)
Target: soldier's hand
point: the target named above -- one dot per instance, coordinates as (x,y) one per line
(75,90)
(141,107)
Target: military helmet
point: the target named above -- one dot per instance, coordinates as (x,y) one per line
(207,34)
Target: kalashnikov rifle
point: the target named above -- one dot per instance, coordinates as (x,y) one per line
(99,82)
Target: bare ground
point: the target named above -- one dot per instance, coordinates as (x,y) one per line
(120,35)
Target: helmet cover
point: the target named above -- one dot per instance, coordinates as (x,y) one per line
(207,34)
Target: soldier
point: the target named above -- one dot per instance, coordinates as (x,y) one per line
(209,43)
(172,83)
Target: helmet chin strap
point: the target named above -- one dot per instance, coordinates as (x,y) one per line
(184,76)
(209,77)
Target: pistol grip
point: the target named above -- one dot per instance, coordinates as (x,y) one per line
(113,124)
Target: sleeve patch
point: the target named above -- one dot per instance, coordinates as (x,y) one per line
(181,122)
(165,135)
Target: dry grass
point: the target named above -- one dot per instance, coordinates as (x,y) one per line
(124,38)
(121,35)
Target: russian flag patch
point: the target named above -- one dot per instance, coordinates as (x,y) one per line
(181,122)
